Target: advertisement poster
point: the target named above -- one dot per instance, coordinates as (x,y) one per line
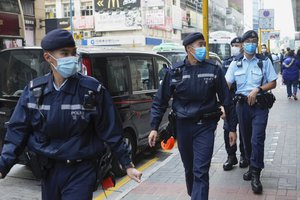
(116,21)
(11,43)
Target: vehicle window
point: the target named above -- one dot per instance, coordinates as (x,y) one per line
(19,67)
(223,50)
(113,75)
(162,64)
(174,57)
(142,76)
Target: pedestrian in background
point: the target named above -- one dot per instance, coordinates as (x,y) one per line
(253,75)
(194,84)
(290,74)
(64,118)
(264,52)
(236,49)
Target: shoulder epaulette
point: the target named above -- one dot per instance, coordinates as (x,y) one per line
(90,83)
(39,81)
(178,65)
(212,62)
(239,57)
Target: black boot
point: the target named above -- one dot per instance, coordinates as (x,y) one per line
(248,175)
(255,181)
(228,165)
(243,162)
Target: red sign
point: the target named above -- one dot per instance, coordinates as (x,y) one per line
(9,24)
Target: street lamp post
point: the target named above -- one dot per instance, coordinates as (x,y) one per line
(205,24)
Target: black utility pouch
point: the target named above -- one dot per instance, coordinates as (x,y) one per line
(34,164)
(39,165)
(266,100)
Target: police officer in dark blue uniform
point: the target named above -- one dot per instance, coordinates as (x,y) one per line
(253,75)
(236,49)
(194,85)
(65,118)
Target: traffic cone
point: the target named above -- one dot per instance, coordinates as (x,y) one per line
(169,144)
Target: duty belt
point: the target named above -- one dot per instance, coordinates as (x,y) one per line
(71,162)
(207,117)
(239,98)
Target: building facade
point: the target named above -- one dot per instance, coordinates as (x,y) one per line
(33,12)
(137,22)
(118,22)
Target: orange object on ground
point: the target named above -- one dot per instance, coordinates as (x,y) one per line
(169,144)
(108,182)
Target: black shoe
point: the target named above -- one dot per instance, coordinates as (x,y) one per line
(255,182)
(243,162)
(295,97)
(228,165)
(247,176)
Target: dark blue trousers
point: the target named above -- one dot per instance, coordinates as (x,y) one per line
(195,144)
(70,181)
(231,150)
(253,122)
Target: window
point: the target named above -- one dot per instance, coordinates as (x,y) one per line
(67,10)
(112,72)
(223,50)
(28,8)
(86,9)
(9,6)
(142,76)
(161,65)
(50,11)
(18,67)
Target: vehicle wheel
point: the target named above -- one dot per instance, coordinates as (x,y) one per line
(116,166)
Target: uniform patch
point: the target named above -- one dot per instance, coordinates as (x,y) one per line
(77,114)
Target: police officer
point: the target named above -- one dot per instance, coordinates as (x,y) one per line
(264,52)
(236,49)
(65,117)
(253,75)
(194,85)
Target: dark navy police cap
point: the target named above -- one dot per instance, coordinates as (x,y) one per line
(56,39)
(190,38)
(236,40)
(249,34)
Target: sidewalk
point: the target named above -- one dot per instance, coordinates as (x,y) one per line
(280,178)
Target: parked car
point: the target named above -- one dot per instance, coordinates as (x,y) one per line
(132,78)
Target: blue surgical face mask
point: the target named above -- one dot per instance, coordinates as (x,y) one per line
(250,48)
(66,66)
(200,53)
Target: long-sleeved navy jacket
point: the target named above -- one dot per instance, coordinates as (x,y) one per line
(196,90)
(62,125)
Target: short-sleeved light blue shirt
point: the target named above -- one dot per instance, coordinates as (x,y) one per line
(248,75)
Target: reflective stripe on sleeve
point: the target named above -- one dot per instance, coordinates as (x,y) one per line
(40,107)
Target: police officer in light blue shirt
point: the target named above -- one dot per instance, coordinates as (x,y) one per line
(65,118)
(198,88)
(254,75)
